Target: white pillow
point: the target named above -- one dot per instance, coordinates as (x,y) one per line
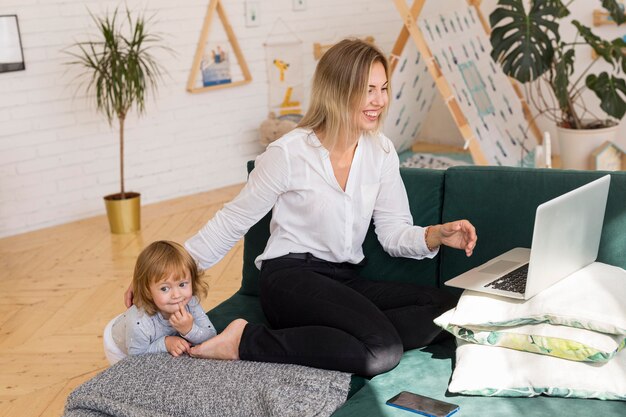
(592,298)
(546,339)
(495,371)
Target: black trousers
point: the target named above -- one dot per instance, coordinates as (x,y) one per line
(322,314)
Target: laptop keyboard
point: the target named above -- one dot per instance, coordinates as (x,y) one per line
(514,281)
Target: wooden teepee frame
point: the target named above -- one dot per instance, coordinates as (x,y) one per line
(411,29)
(216,5)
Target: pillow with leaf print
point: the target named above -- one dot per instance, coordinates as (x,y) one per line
(546,339)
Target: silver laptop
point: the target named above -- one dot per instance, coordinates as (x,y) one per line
(566,238)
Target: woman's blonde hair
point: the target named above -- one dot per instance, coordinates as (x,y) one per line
(340,85)
(156,263)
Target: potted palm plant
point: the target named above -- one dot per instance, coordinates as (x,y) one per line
(527,43)
(118,71)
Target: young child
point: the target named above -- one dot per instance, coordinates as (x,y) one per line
(166,315)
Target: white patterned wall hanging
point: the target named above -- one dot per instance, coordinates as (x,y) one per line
(461,49)
(491,115)
(413,93)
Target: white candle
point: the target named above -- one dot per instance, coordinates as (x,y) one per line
(547,149)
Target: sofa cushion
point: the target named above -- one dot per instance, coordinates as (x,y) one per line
(425,190)
(496,371)
(243,306)
(427,371)
(253,245)
(501,202)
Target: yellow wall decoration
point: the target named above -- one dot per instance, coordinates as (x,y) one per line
(283,55)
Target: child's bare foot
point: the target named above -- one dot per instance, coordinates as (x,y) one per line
(224,346)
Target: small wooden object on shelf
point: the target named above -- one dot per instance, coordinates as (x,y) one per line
(608,157)
(426,147)
(319,49)
(601,17)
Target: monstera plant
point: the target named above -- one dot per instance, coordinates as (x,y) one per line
(527,43)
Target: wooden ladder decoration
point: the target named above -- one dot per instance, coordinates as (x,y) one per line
(216,5)
(411,29)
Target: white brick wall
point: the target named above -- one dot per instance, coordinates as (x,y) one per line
(58,157)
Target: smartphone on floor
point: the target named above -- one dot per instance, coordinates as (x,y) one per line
(422,405)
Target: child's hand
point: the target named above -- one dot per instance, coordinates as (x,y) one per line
(176,346)
(182,321)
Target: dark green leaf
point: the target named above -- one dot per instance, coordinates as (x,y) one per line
(562,9)
(523,42)
(563,69)
(615,9)
(121,68)
(601,47)
(610,90)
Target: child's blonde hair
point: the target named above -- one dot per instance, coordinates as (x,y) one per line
(157,262)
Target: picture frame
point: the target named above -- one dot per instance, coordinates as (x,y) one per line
(11,54)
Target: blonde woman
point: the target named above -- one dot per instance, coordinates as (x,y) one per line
(324,182)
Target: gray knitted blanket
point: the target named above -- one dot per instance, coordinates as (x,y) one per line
(161,385)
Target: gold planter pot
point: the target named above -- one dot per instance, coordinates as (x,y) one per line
(124,214)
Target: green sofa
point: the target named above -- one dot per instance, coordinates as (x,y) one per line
(501,203)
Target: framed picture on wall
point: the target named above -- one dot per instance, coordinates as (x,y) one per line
(11,55)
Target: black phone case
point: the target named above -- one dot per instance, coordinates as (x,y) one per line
(422,405)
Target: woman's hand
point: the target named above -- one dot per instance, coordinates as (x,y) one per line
(176,346)
(459,234)
(128,296)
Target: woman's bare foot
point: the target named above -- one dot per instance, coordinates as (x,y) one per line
(224,346)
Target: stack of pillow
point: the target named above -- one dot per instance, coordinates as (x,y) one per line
(565,341)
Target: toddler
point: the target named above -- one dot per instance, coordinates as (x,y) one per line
(166,315)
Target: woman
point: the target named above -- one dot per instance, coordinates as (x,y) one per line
(324,182)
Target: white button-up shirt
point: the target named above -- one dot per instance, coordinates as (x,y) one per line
(310,211)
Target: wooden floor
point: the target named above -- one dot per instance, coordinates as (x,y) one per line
(60,286)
